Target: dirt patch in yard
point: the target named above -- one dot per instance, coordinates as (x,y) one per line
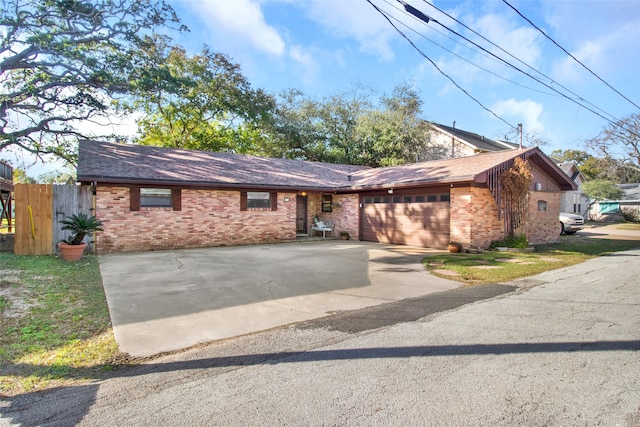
(14,299)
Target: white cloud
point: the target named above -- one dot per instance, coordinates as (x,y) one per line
(526,112)
(358,20)
(521,42)
(240,22)
(309,67)
(604,35)
(612,52)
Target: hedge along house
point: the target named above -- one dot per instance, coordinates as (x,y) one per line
(152,198)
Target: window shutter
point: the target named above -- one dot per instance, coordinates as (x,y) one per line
(243,200)
(176,199)
(274,201)
(134,198)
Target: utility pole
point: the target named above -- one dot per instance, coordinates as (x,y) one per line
(453,142)
(520,132)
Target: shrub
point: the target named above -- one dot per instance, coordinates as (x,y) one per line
(511,241)
(629,215)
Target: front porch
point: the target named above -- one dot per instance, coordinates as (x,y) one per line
(342,209)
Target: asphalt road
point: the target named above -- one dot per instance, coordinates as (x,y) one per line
(562,349)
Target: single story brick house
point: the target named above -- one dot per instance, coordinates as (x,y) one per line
(152,198)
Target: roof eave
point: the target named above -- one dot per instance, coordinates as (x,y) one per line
(87,179)
(409,184)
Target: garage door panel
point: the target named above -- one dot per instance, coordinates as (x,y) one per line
(417,224)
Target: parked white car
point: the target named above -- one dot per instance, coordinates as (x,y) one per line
(570,223)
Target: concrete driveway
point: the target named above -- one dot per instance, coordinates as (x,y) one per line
(170,300)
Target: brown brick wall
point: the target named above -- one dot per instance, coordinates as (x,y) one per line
(474,217)
(213,218)
(207,218)
(543,226)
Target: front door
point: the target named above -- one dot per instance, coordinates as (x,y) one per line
(301,214)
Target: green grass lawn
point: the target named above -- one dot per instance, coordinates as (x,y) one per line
(628,226)
(497,267)
(54,322)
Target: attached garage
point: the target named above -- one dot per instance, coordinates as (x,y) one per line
(417,218)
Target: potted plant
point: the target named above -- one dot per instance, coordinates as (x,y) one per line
(454,247)
(80,225)
(344,235)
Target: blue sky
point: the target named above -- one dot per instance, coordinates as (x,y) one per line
(323,47)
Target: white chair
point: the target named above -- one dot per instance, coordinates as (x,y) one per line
(323,226)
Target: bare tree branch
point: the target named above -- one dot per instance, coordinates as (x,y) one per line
(62,62)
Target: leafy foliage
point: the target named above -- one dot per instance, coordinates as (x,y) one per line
(56,177)
(592,167)
(62,62)
(600,189)
(201,102)
(80,225)
(353,128)
(514,184)
(630,215)
(20,176)
(511,241)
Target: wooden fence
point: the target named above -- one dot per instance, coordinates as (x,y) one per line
(39,208)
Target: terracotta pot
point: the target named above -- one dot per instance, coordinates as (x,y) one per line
(71,252)
(454,248)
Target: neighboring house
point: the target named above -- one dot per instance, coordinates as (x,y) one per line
(152,198)
(574,201)
(461,143)
(609,210)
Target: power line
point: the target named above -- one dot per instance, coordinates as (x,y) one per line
(615,122)
(430,19)
(459,56)
(573,57)
(436,66)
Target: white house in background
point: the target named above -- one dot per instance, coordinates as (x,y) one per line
(609,210)
(461,143)
(574,201)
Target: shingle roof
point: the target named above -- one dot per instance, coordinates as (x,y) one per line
(631,192)
(461,169)
(131,164)
(478,141)
(571,169)
(112,162)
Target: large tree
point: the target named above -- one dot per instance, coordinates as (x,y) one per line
(317,130)
(602,168)
(200,102)
(62,62)
(354,128)
(395,133)
(620,141)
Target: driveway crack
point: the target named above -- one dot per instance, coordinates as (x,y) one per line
(266,284)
